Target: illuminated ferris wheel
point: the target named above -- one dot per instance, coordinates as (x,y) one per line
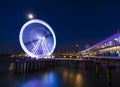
(37,38)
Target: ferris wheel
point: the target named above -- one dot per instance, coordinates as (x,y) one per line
(37,38)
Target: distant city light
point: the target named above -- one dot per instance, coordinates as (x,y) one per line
(30,16)
(77,45)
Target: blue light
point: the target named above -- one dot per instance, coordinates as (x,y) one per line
(48,80)
(37,38)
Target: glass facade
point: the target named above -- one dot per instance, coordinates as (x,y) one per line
(107,47)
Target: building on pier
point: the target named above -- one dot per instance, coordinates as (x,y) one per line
(108,47)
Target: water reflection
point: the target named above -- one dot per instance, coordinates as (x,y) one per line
(65,74)
(71,76)
(48,80)
(11,67)
(74,79)
(53,79)
(79,80)
(60,77)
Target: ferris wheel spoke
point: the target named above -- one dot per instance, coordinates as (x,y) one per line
(34,50)
(43,48)
(46,48)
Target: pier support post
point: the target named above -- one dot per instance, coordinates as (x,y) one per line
(108,71)
(96,67)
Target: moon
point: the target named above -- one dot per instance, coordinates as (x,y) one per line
(30,16)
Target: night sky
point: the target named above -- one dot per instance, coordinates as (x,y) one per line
(73,21)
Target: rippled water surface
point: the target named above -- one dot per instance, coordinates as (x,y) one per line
(59,77)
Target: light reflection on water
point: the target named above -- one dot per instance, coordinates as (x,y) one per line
(74,79)
(55,78)
(11,66)
(48,80)
(79,80)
